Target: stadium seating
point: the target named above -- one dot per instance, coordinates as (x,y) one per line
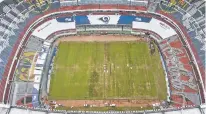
(180,72)
(20,110)
(127,2)
(190,17)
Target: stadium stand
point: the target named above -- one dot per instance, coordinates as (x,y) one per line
(21,110)
(180,72)
(17,17)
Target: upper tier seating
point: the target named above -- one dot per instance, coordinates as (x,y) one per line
(14,17)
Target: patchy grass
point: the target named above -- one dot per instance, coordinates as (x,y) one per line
(104,108)
(107,70)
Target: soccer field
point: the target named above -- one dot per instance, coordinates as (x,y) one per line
(107,70)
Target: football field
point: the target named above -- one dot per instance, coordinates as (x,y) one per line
(107,70)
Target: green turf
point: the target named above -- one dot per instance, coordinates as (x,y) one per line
(105,108)
(107,70)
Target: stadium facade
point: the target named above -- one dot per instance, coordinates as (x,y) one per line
(25,22)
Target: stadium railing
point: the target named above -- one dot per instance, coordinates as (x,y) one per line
(67,8)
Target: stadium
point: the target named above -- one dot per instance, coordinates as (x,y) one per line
(102,56)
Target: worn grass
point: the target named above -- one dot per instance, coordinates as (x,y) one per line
(107,70)
(105,108)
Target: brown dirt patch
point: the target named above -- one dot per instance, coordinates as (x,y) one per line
(101,103)
(99,38)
